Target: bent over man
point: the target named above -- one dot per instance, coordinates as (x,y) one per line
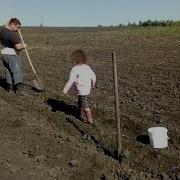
(11,46)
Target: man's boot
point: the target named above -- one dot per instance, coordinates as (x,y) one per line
(19,90)
(11,88)
(89,116)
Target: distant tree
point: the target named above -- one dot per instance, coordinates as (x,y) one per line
(163,23)
(140,23)
(169,22)
(129,24)
(149,23)
(134,24)
(177,23)
(155,23)
(120,25)
(145,23)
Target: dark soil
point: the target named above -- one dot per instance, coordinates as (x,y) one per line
(41,138)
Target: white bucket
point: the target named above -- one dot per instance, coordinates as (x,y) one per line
(158,137)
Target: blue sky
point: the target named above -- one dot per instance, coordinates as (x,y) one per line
(87,12)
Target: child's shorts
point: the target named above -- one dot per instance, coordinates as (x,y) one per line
(83,102)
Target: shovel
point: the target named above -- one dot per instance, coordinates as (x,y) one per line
(37,81)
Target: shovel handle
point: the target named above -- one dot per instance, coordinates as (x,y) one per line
(27,54)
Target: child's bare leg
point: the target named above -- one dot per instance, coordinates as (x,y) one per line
(89,115)
(84,110)
(81,111)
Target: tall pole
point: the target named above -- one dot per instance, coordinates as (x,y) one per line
(119,144)
(41,23)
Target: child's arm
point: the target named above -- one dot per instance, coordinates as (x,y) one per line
(93,78)
(71,80)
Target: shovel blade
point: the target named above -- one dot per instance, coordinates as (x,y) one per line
(38,84)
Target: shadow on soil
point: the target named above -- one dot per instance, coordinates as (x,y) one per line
(57,105)
(144,139)
(3,83)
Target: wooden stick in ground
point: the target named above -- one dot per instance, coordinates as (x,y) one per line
(119,145)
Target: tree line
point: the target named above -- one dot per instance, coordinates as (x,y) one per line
(155,23)
(149,23)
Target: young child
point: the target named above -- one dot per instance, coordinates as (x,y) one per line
(84,79)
